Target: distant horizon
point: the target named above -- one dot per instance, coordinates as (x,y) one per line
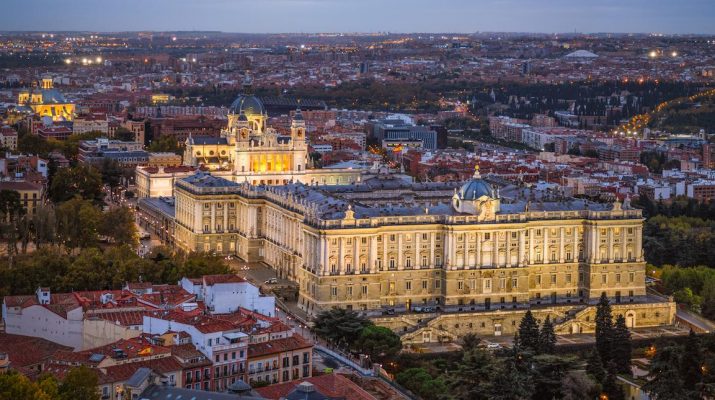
(375,33)
(686,17)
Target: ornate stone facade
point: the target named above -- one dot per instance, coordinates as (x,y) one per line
(482,255)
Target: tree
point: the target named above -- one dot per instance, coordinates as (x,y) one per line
(17,387)
(470,341)
(340,326)
(165,144)
(691,364)
(548,375)
(664,379)
(378,342)
(513,380)
(118,224)
(124,134)
(81,180)
(621,346)
(473,376)
(420,382)
(604,328)
(111,173)
(594,367)
(78,222)
(578,386)
(80,384)
(10,205)
(547,337)
(611,388)
(528,337)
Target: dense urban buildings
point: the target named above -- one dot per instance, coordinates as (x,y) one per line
(211,215)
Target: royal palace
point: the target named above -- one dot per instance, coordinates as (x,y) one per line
(474,255)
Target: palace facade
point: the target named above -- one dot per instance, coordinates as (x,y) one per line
(480,256)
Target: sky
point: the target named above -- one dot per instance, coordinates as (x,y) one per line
(399,16)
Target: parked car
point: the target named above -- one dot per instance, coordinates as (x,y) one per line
(389,311)
(271,281)
(493,346)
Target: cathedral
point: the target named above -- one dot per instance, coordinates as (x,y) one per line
(46,101)
(248,150)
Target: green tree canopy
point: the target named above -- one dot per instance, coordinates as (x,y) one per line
(82,180)
(378,342)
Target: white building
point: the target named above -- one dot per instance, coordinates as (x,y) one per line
(57,318)
(224,294)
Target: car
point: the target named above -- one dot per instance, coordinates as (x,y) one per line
(427,309)
(389,311)
(493,346)
(271,281)
(418,309)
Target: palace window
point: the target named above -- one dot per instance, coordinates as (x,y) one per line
(424,284)
(408,285)
(392,263)
(333,291)
(460,285)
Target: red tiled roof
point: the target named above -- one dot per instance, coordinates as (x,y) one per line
(226,278)
(26,350)
(122,372)
(330,385)
(291,343)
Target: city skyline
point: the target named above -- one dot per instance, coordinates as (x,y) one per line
(302,16)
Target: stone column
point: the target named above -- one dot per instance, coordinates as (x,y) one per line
(400,265)
(478,251)
(212,228)
(372,255)
(609,234)
(431,260)
(341,256)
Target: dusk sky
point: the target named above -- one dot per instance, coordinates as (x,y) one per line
(262,16)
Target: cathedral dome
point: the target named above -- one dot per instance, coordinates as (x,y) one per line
(248,104)
(475,189)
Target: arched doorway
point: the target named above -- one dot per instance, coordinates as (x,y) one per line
(631,319)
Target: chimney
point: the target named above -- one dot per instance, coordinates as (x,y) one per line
(43,295)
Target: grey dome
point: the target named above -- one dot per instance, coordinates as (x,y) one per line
(475,189)
(248,104)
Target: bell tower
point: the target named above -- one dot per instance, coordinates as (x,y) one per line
(297,130)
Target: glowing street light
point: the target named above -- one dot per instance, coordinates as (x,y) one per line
(653,54)
(675,54)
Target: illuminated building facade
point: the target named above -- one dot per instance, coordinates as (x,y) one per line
(480,255)
(46,101)
(250,151)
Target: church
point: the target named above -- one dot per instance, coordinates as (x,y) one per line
(248,151)
(46,101)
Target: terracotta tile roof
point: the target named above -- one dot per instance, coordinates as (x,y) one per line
(120,317)
(122,372)
(291,343)
(133,348)
(330,385)
(217,279)
(26,351)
